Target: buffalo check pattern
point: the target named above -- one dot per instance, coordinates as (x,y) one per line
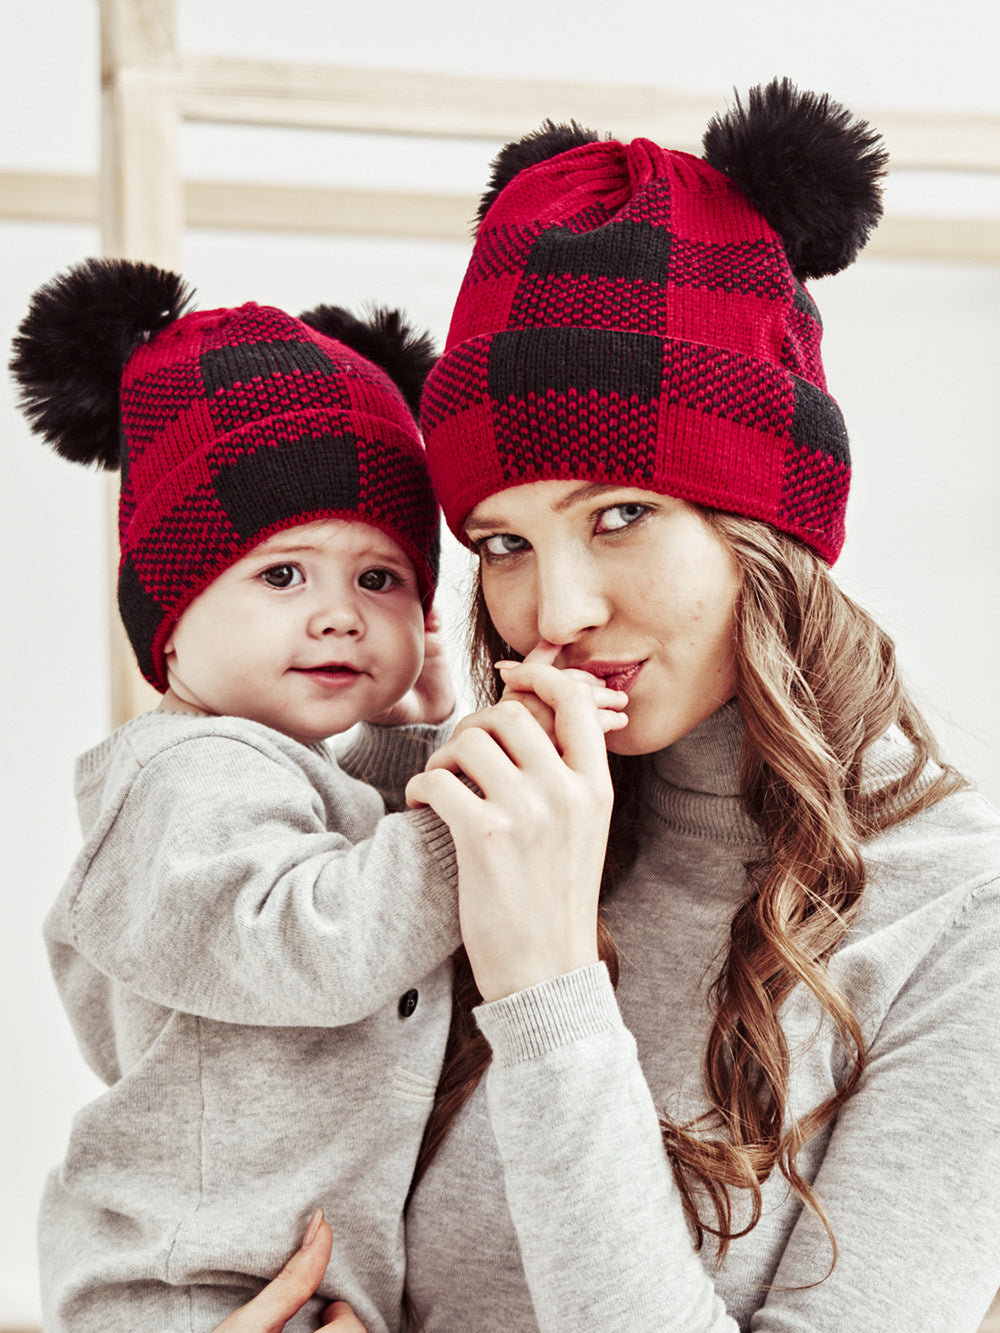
(236,424)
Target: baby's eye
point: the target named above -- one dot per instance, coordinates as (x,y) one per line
(378,580)
(283,576)
(501,543)
(621,516)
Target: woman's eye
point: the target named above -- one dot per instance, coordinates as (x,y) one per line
(621,516)
(283,576)
(377,580)
(502,543)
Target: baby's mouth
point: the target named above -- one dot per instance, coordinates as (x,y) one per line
(330,671)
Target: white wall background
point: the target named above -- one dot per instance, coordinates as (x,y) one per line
(911,352)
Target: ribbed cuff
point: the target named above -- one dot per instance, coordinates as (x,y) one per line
(439,847)
(375,754)
(553,1014)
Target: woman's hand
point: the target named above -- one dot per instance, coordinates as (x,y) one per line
(519,677)
(286,1294)
(431,698)
(531,846)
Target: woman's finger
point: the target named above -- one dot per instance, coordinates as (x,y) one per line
(610,703)
(286,1294)
(542,713)
(340,1316)
(491,764)
(505,738)
(445,793)
(579,734)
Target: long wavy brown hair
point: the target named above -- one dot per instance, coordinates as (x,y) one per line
(817,683)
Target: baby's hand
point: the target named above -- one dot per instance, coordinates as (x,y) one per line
(521,680)
(431,699)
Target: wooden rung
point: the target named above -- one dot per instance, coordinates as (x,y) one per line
(245,206)
(414,102)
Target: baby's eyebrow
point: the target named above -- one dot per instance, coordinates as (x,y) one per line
(267,550)
(286,550)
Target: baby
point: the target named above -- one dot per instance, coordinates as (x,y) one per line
(252,951)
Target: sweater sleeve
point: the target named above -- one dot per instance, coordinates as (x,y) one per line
(277,905)
(599,1220)
(910,1178)
(387,757)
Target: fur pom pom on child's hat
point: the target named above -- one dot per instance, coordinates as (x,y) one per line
(227,425)
(637,315)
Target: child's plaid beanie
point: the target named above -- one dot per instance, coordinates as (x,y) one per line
(227,425)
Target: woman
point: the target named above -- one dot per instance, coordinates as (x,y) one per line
(786,1117)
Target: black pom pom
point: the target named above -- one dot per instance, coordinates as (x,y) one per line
(808,167)
(405,355)
(548,141)
(72,346)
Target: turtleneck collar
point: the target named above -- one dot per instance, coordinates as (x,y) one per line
(707,759)
(693,785)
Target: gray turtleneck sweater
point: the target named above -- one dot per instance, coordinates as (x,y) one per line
(552,1206)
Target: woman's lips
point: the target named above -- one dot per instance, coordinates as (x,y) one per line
(616,675)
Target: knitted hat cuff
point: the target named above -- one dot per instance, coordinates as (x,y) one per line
(234,465)
(149,633)
(224,499)
(706,424)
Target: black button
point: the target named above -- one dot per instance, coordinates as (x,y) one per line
(407,1003)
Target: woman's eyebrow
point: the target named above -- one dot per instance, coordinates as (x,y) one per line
(480,521)
(590,492)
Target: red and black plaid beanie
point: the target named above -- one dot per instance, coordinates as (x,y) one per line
(632,314)
(227,426)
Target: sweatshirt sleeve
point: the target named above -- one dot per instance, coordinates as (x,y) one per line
(910,1178)
(279,905)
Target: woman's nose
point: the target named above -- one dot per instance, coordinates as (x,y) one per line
(571,600)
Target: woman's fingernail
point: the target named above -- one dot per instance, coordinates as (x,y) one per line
(501,666)
(312,1230)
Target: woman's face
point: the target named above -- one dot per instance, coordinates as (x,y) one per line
(633,586)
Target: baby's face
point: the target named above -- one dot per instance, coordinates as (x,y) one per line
(319,627)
